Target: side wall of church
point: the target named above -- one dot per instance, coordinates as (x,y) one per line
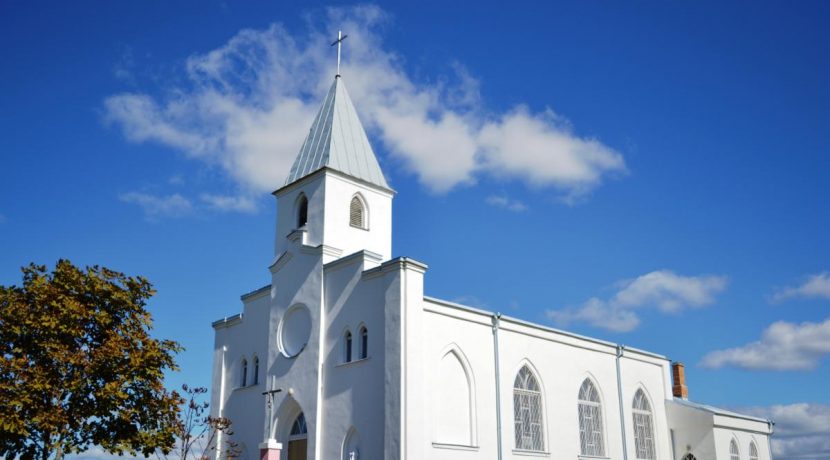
(243,340)
(458,386)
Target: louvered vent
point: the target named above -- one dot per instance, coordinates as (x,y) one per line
(356,213)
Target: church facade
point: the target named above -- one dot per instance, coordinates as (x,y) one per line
(343,355)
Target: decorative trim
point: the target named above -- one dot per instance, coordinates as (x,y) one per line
(280,262)
(441,445)
(354,361)
(227,321)
(256,293)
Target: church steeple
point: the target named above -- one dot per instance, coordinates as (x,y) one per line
(338,141)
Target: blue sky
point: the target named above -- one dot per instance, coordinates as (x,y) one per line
(653,174)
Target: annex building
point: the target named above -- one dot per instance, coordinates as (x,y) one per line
(359,363)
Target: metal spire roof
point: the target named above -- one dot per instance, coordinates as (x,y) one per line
(337,140)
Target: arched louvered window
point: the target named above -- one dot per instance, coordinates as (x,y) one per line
(302,211)
(591,436)
(527,411)
(643,427)
(753,451)
(357,213)
(364,343)
(734,453)
(244,377)
(256,370)
(347,346)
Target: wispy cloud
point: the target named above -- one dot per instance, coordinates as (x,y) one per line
(240,203)
(158,206)
(505,202)
(783,346)
(815,286)
(662,289)
(247,105)
(2,219)
(802,430)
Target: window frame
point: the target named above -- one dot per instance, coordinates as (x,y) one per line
(527,422)
(363,335)
(643,423)
(364,212)
(594,406)
(244,373)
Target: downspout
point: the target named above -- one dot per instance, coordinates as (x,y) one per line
(496,320)
(620,350)
(322,330)
(221,402)
(771,426)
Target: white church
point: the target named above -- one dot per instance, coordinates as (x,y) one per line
(343,355)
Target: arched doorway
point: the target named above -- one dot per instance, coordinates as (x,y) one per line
(298,439)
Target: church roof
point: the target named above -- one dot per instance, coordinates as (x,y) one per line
(337,140)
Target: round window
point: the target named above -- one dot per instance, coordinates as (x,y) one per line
(294,330)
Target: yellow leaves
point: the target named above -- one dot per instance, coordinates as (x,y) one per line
(77,364)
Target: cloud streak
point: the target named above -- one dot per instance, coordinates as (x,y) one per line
(247,106)
(662,290)
(802,430)
(158,206)
(505,202)
(783,346)
(815,286)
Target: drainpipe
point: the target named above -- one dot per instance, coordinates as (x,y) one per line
(221,402)
(771,426)
(496,319)
(620,350)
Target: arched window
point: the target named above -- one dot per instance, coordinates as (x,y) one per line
(351,445)
(256,370)
(364,343)
(357,213)
(753,451)
(244,379)
(527,411)
(347,346)
(689,457)
(302,211)
(734,454)
(590,421)
(643,427)
(298,438)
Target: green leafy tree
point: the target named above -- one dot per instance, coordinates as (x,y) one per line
(78,366)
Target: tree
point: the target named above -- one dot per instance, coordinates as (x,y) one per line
(197,433)
(78,366)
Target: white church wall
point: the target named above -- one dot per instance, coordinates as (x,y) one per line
(692,431)
(287,199)
(723,436)
(377,236)
(244,338)
(353,394)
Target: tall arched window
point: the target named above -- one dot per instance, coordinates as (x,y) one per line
(347,346)
(357,213)
(527,411)
(643,427)
(734,453)
(298,438)
(244,377)
(753,451)
(256,370)
(364,343)
(591,436)
(302,211)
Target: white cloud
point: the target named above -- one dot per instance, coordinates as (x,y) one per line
(661,289)
(503,201)
(815,286)
(155,206)
(247,106)
(802,430)
(230,203)
(783,346)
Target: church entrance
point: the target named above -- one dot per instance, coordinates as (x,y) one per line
(298,439)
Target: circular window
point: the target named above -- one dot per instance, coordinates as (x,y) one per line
(294,331)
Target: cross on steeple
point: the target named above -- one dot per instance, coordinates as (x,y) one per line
(340,38)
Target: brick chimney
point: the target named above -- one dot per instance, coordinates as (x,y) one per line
(678,375)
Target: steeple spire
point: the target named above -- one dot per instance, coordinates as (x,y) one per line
(338,141)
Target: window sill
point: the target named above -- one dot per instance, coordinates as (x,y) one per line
(354,361)
(253,385)
(530,453)
(593,457)
(441,445)
(365,229)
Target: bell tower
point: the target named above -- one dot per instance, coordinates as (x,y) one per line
(336,195)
